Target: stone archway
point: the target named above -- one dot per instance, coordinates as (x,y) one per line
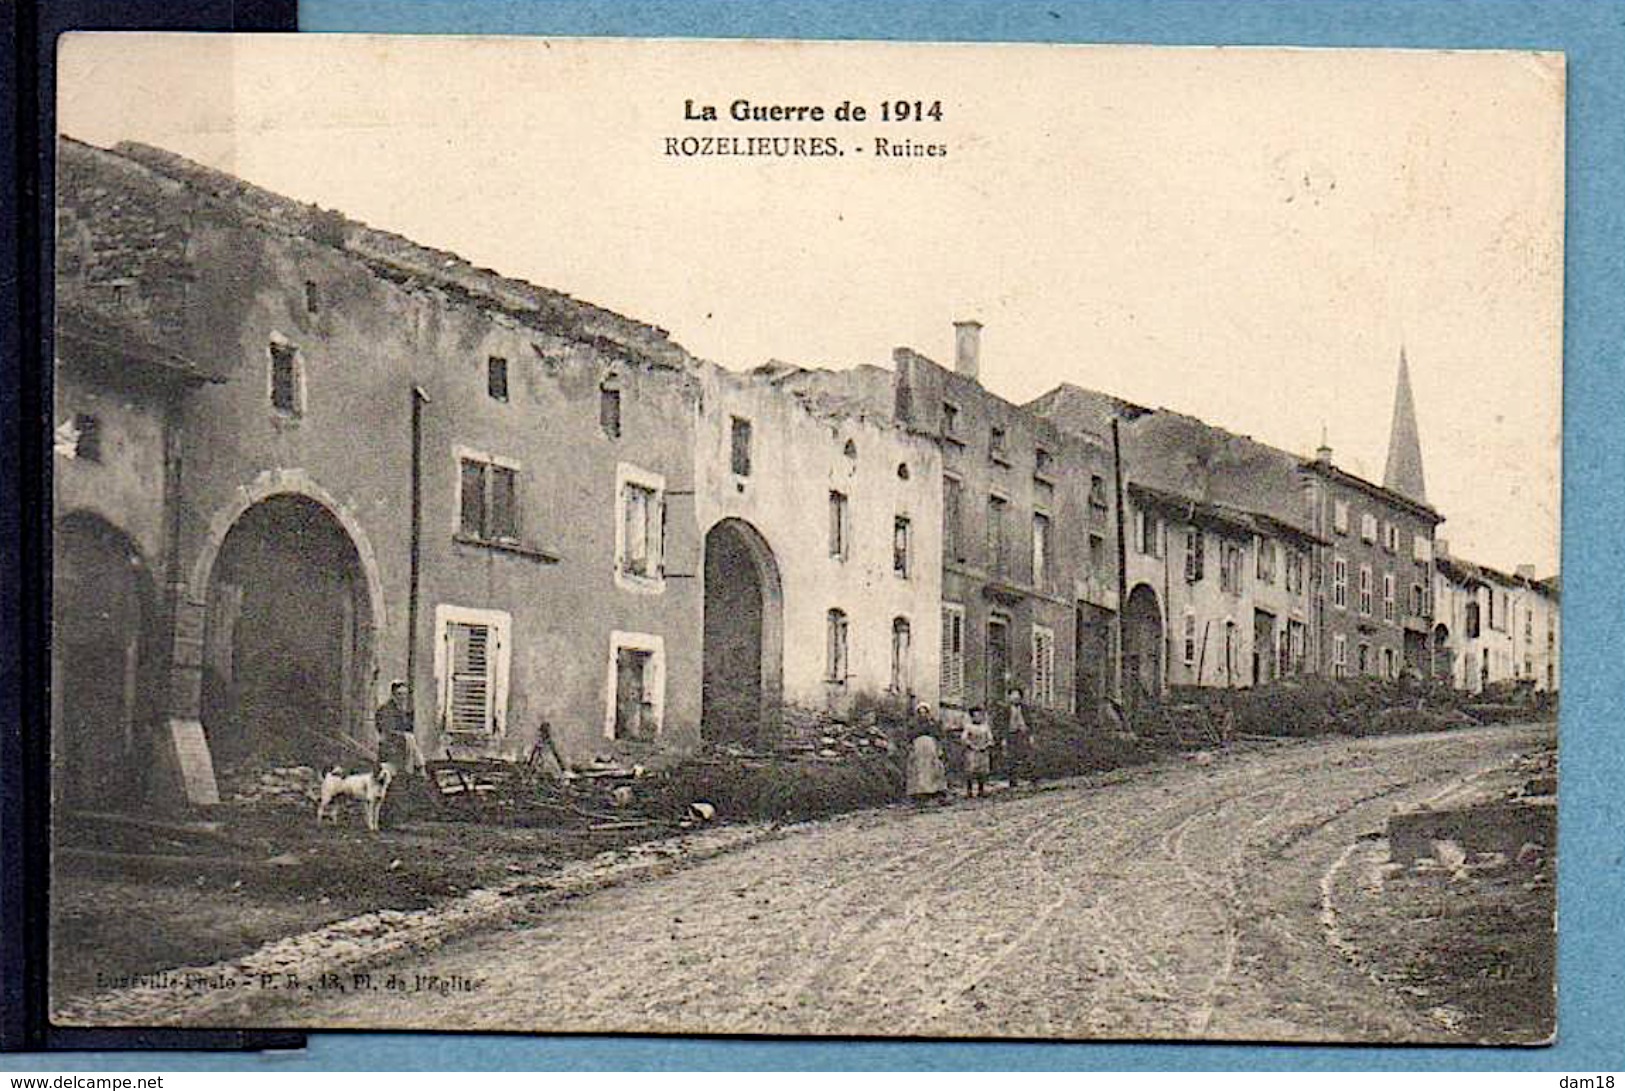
(104,693)
(289,613)
(742,685)
(1142,644)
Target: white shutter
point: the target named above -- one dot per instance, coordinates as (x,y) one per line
(1043,667)
(472,659)
(953,653)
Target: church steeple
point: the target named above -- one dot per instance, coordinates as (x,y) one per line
(1404,472)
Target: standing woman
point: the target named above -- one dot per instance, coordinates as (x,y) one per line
(927,771)
(1019,748)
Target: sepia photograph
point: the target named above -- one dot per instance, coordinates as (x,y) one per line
(811,539)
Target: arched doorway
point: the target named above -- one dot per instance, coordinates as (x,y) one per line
(742,683)
(101,655)
(1142,644)
(288,639)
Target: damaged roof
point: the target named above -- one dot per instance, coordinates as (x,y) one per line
(94,338)
(400,258)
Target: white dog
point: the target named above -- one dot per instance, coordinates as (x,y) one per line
(369,789)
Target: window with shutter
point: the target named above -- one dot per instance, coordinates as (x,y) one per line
(953,653)
(471,688)
(997,557)
(640,534)
(503,521)
(473,498)
(471,668)
(487,497)
(1043,666)
(952,534)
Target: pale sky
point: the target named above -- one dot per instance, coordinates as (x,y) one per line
(1248,236)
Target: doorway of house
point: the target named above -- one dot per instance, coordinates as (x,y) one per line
(287,664)
(1264,659)
(634,694)
(103,692)
(741,684)
(1142,645)
(998,672)
(1093,654)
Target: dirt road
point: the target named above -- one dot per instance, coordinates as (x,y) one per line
(1184,901)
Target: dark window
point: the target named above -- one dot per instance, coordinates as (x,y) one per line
(87,442)
(1473,625)
(899,546)
(950,419)
(953,546)
(490,501)
(1097,491)
(503,523)
(285,378)
(313,297)
(609,408)
(496,378)
(995,444)
(835,662)
(473,498)
(1041,462)
(740,452)
(837,525)
(997,552)
(1097,554)
(1040,550)
(1194,560)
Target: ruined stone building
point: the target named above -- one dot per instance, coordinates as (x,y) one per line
(1218,548)
(822,521)
(383,463)
(1375,607)
(1028,545)
(118,399)
(298,457)
(1246,563)
(1492,627)
(1375,604)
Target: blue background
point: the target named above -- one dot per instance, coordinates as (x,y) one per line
(1592,810)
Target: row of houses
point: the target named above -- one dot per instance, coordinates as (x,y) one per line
(298,458)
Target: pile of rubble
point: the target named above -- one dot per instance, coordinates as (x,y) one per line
(811,735)
(294,785)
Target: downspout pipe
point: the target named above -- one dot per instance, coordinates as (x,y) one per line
(1122,562)
(414,572)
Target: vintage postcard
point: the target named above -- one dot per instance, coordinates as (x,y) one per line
(796,538)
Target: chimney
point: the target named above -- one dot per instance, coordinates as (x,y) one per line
(1441,547)
(1526,572)
(968,349)
(1323,453)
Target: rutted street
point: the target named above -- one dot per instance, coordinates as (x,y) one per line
(1180,901)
